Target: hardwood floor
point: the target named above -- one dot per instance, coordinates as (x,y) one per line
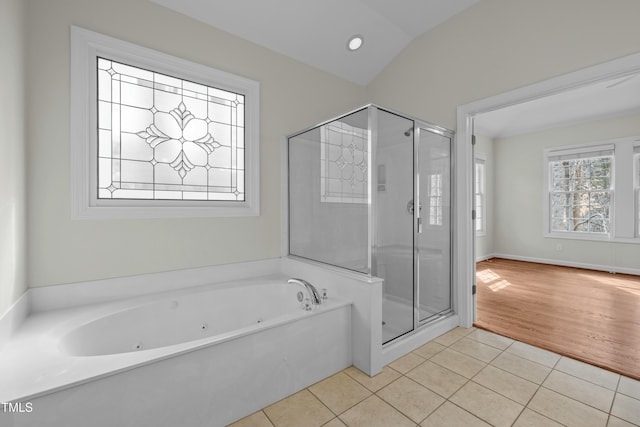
(588,315)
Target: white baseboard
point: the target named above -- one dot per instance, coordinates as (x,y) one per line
(485,257)
(607,268)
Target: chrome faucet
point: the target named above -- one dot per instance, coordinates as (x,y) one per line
(313,292)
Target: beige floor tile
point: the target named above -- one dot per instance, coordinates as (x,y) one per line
(580,390)
(375,383)
(450,337)
(629,387)
(459,363)
(588,372)
(566,410)
(258,419)
(528,418)
(335,423)
(339,392)
(521,367)
(429,350)
(450,415)
(406,362)
(507,384)
(488,405)
(476,349)
(436,378)
(626,408)
(617,422)
(300,409)
(535,354)
(374,412)
(489,338)
(410,398)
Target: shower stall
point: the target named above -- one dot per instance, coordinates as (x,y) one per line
(370,191)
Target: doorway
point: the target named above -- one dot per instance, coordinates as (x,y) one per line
(612,75)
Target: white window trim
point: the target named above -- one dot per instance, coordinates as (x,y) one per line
(636,186)
(483,158)
(85,47)
(622,226)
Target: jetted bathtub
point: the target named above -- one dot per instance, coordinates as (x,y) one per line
(200,356)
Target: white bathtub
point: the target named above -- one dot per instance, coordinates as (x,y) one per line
(201,356)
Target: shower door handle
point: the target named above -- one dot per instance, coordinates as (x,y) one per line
(410,207)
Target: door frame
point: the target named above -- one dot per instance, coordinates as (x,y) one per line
(464,256)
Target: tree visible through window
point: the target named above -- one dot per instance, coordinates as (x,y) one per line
(580,194)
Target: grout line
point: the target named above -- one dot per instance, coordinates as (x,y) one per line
(268,419)
(467,381)
(589,381)
(355,404)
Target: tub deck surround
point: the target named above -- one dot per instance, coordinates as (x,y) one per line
(78,355)
(58,349)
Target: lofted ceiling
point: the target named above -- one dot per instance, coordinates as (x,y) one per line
(316,32)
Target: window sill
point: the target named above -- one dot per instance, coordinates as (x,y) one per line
(147,212)
(593,238)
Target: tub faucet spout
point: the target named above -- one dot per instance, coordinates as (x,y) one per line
(313,292)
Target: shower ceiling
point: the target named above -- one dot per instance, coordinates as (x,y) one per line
(316,31)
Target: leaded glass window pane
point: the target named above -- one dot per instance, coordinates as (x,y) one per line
(343,163)
(165,138)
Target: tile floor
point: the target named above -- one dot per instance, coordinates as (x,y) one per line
(466,377)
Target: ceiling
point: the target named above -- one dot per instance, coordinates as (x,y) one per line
(601,100)
(316,32)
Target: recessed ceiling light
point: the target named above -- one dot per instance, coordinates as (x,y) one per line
(355,43)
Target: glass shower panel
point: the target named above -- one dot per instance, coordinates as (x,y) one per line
(434,240)
(328,193)
(394,260)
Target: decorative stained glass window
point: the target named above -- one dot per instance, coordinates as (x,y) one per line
(166,138)
(343,163)
(157,136)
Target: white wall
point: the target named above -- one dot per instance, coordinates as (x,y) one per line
(12,154)
(293,96)
(500,45)
(495,46)
(484,242)
(519,196)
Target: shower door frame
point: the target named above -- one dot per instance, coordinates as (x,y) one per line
(372,176)
(420,125)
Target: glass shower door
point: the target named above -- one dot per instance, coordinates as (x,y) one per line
(393,187)
(433,237)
